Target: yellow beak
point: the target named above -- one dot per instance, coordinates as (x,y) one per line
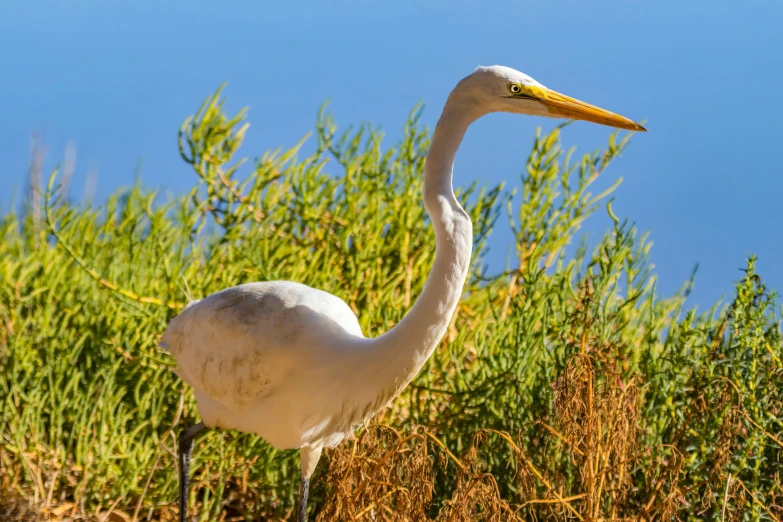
(567,107)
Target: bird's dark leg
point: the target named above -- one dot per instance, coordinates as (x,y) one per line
(301,504)
(308,459)
(186,437)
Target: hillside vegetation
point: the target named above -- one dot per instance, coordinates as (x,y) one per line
(565,389)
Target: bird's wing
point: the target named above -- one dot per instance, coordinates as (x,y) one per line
(242,344)
(228,353)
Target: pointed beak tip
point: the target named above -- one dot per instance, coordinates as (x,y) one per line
(640,128)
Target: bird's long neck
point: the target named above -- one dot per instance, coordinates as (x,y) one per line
(406,347)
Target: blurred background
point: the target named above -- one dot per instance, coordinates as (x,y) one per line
(104,87)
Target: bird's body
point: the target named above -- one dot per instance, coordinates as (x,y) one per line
(282,360)
(254,352)
(290,363)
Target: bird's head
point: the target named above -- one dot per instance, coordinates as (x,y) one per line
(502,89)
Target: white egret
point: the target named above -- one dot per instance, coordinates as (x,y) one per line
(290,363)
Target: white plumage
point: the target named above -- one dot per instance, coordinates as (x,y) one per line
(279,359)
(290,363)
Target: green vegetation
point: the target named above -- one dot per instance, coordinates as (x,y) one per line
(566,389)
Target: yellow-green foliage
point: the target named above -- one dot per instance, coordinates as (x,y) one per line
(564,389)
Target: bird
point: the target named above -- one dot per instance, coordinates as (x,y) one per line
(290,363)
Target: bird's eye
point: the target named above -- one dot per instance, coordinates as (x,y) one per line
(514,88)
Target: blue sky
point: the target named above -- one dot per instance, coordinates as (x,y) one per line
(117,79)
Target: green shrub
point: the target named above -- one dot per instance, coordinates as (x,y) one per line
(566,388)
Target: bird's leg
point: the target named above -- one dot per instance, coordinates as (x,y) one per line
(186,437)
(308,458)
(301,504)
